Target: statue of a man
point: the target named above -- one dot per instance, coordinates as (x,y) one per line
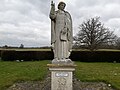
(61,33)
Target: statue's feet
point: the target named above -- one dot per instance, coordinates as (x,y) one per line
(62,61)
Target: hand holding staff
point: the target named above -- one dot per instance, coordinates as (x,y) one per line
(52,7)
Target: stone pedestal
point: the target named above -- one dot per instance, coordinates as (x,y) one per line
(61,76)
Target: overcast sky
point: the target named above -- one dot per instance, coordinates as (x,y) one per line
(27,21)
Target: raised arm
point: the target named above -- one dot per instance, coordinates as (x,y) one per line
(52,11)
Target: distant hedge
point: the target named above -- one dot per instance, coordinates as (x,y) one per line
(26,55)
(83,56)
(95,56)
(0,53)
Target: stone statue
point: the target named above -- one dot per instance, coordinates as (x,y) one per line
(61,34)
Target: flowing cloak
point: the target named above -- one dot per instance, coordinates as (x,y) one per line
(69,33)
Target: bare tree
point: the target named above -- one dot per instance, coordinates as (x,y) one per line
(92,34)
(118,43)
(21,46)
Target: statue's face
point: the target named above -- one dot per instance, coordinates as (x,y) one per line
(62,6)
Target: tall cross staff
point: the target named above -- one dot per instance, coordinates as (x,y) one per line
(52,23)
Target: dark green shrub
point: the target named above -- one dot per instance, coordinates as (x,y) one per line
(26,55)
(83,56)
(8,55)
(95,56)
(0,53)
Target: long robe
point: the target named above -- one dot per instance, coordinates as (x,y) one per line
(61,34)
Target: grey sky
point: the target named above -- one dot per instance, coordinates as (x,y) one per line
(27,21)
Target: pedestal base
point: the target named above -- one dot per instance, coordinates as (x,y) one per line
(63,61)
(61,76)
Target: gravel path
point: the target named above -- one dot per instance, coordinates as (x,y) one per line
(45,85)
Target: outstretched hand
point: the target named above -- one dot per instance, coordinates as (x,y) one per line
(52,4)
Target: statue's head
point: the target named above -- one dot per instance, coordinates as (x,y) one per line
(61,5)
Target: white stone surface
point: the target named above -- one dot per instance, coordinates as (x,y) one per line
(61,41)
(61,78)
(61,32)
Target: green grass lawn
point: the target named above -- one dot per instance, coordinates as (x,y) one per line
(11,72)
(106,72)
(40,49)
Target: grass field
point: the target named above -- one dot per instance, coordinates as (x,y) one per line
(25,49)
(106,72)
(39,49)
(11,72)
